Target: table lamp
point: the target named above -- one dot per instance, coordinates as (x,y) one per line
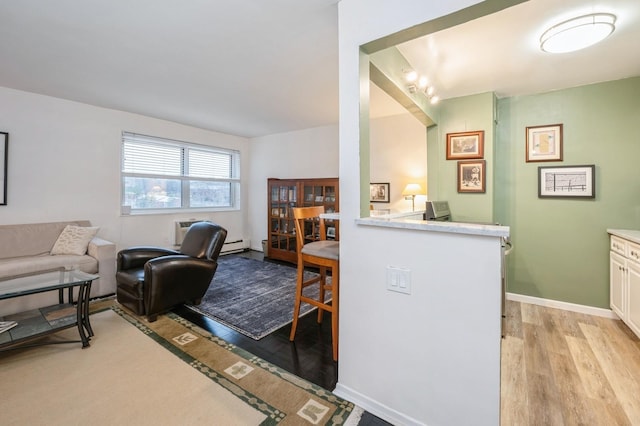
(410,191)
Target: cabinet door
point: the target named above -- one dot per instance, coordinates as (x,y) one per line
(633,312)
(617,296)
(322,192)
(283,196)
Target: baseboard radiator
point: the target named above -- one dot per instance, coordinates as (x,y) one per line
(232,246)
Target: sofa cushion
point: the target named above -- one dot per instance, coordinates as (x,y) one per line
(33,264)
(74,240)
(31,239)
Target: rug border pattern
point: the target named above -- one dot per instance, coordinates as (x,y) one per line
(343,410)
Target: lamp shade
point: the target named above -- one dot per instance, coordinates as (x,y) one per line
(413,189)
(577,33)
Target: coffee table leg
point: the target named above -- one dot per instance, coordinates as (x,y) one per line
(80,310)
(87,322)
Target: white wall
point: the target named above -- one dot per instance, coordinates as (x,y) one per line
(400,157)
(64,164)
(432,357)
(309,153)
(398,146)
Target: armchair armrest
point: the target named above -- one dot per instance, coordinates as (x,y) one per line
(177,277)
(180,268)
(136,257)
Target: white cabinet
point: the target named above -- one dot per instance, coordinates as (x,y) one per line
(633,296)
(624,281)
(617,284)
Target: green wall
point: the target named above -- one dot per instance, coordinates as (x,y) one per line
(466,114)
(561,246)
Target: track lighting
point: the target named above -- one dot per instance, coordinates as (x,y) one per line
(420,83)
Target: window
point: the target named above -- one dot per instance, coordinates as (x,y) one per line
(161,174)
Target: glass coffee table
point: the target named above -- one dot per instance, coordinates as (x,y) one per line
(34,325)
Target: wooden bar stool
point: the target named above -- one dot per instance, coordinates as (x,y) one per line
(314,249)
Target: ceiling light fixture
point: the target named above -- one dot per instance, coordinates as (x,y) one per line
(577,33)
(420,83)
(423,82)
(410,76)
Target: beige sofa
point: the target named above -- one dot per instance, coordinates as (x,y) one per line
(26,248)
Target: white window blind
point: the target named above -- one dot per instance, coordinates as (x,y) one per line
(160,174)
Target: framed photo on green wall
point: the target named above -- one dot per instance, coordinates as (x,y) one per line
(567,182)
(471,176)
(544,143)
(465,145)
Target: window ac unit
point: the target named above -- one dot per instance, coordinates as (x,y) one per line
(182,226)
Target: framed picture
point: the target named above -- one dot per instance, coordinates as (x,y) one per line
(465,145)
(379,192)
(4,162)
(471,176)
(544,143)
(567,182)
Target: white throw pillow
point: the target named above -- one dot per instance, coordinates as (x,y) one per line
(74,240)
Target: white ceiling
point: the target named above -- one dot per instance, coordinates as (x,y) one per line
(257,67)
(501,52)
(244,67)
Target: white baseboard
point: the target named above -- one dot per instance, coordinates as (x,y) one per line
(374,407)
(549,303)
(233,246)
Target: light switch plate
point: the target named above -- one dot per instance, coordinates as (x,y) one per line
(399,279)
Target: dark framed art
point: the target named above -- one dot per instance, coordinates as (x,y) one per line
(379,192)
(4,162)
(544,143)
(465,145)
(471,176)
(567,182)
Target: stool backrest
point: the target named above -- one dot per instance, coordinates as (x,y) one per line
(302,214)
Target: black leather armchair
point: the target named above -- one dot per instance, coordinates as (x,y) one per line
(152,280)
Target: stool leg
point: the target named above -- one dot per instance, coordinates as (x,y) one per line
(296,306)
(323,283)
(335,292)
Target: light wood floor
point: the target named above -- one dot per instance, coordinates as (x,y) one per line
(565,368)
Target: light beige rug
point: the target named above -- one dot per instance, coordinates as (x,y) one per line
(168,372)
(122,378)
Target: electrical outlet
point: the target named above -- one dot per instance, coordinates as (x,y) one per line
(399,279)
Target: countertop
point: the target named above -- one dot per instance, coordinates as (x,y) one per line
(413,220)
(628,234)
(435,226)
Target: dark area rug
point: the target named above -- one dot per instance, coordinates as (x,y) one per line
(253,297)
